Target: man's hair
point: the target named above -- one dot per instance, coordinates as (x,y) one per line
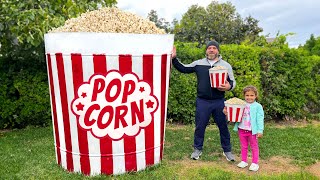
(213,43)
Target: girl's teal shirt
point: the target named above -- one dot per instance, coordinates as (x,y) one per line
(256,119)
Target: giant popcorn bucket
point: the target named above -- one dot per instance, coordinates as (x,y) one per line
(235,112)
(109,99)
(217,77)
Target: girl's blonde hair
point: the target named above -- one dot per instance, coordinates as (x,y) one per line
(250,88)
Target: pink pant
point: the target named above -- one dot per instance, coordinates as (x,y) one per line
(247,138)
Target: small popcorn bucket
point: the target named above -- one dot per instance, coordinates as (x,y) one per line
(109,94)
(217,77)
(235,112)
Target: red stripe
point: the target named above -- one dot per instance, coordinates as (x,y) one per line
(77,74)
(230,114)
(125,66)
(237,115)
(54,110)
(223,78)
(65,110)
(217,80)
(212,81)
(149,130)
(100,67)
(100,63)
(163,100)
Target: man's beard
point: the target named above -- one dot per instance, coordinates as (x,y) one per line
(212,56)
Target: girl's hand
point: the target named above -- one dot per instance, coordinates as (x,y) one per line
(225,111)
(259,135)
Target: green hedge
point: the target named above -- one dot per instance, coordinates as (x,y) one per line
(25,100)
(291,83)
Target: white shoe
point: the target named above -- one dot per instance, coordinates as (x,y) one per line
(254,167)
(242,164)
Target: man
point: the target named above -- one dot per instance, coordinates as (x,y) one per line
(210,101)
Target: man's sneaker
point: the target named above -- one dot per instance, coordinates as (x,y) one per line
(254,167)
(196,154)
(229,156)
(242,164)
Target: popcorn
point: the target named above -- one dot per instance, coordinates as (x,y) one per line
(111,20)
(235,100)
(218,67)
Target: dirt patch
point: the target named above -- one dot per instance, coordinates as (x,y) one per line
(278,164)
(2,132)
(273,166)
(314,169)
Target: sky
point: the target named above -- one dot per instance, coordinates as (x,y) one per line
(301,17)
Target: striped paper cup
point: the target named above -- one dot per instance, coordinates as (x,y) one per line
(235,112)
(109,97)
(217,77)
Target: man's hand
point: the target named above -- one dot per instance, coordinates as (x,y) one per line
(225,87)
(174,52)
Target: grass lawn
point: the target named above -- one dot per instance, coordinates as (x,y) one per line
(286,152)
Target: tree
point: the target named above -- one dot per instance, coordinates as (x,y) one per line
(310,43)
(313,45)
(159,22)
(192,25)
(217,21)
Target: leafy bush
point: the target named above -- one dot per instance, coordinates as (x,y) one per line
(25,100)
(286,82)
(245,63)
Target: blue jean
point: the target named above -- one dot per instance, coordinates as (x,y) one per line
(205,108)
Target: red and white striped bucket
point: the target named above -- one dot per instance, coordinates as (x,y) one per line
(217,77)
(109,99)
(235,112)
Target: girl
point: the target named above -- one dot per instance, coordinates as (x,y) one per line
(250,128)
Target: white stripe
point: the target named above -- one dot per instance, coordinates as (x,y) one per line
(112,63)
(93,142)
(220,79)
(234,114)
(117,146)
(157,117)
(54,130)
(59,111)
(137,68)
(72,117)
(214,80)
(118,157)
